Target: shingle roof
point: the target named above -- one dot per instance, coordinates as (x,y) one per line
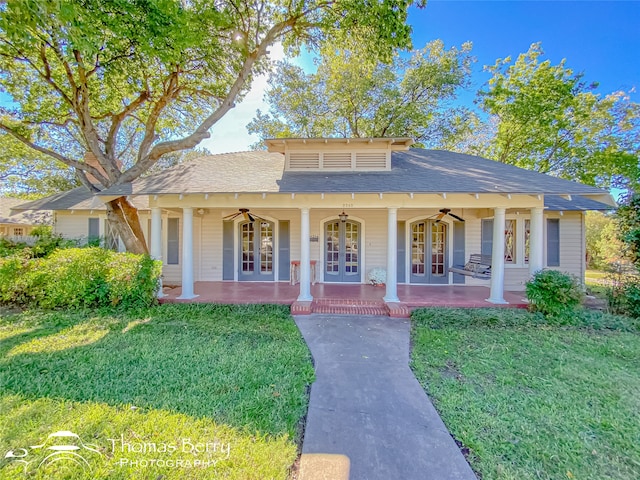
(434,171)
(77,199)
(7,216)
(228,172)
(577,203)
(415,170)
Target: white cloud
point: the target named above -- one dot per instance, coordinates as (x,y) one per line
(230,133)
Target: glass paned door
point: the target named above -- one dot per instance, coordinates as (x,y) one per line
(429,252)
(342,251)
(256,251)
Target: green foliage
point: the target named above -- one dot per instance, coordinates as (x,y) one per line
(138,74)
(29,174)
(79,278)
(628,219)
(602,242)
(547,119)
(623,292)
(353,95)
(554,294)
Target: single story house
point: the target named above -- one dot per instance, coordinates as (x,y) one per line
(337,208)
(18,225)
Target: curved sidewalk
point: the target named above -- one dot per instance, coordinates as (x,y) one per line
(366,404)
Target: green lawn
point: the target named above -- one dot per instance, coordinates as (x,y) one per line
(217,391)
(530,400)
(591,275)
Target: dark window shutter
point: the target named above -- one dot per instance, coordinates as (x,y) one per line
(401,248)
(284,250)
(487,237)
(94,229)
(173,241)
(227,250)
(553,242)
(458,250)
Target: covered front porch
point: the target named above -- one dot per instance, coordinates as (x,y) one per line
(341,298)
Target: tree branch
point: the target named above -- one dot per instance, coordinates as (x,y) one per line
(118,118)
(66,160)
(146,161)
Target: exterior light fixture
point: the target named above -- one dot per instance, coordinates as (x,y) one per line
(343,217)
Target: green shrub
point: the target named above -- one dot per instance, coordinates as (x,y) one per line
(554,294)
(133,280)
(12,277)
(623,293)
(78,278)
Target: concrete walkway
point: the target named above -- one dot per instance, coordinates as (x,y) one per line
(366,403)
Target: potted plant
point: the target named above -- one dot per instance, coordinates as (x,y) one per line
(377,276)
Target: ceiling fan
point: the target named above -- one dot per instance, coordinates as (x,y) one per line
(247,216)
(447,211)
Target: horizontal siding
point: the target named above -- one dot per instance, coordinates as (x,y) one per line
(571,244)
(211,249)
(75,226)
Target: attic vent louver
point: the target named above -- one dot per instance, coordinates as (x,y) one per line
(337,161)
(371,160)
(304,160)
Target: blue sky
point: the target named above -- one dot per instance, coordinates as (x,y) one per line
(600,39)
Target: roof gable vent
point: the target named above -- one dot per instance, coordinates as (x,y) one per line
(304,160)
(371,160)
(336,161)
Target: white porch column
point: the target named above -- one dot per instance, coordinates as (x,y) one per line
(187,254)
(497,257)
(156,240)
(392,256)
(536,240)
(305,257)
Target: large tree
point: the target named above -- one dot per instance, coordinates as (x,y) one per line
(354,95)
(129,81)
(546,118)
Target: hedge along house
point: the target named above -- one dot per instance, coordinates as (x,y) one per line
(338,208)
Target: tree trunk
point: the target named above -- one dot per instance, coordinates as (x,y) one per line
(123,217)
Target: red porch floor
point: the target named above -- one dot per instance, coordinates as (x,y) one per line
(331,298)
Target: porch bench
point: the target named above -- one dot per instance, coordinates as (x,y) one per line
(478,266)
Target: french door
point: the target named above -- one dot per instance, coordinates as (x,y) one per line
(429,252)
(342,251)
(256,251)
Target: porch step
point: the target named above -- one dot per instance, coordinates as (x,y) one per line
(347,306)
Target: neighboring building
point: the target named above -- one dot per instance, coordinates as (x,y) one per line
(17,225)
(348,206)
